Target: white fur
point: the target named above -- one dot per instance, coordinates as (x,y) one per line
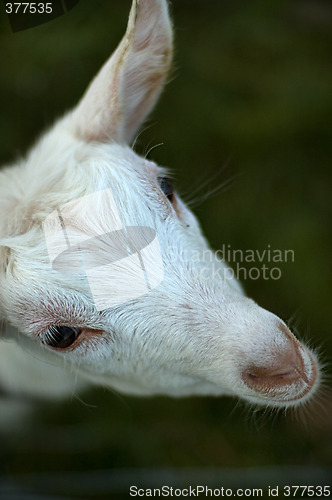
(194,333)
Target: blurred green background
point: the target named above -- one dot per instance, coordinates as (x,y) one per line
(249,108)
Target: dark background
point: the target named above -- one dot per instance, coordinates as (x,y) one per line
(248,107)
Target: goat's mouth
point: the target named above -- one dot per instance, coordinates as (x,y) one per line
(291,381)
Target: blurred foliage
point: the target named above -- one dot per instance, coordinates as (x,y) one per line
(248,108)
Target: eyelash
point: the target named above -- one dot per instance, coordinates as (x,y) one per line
(61,336)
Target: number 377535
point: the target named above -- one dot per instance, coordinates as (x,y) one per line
(28,8)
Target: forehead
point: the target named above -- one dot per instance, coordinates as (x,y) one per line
(61,168)
(100,189)
(59,154)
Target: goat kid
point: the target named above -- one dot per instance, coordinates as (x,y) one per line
(94,286)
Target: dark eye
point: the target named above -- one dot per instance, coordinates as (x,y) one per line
(167,188)
(61,337)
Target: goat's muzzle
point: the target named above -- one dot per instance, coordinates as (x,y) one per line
(291,376)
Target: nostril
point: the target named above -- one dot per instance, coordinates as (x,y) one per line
(285,369)
(285,374)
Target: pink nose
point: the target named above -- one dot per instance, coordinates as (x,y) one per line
(288,368)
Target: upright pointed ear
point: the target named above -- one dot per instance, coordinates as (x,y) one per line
(128,85)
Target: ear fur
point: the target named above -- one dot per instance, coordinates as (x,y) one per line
(128,85)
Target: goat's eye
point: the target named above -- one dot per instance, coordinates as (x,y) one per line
(167,188)
(61,337)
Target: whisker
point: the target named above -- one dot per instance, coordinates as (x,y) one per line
(140,133)
(204,181)
(222,187)
(152,148)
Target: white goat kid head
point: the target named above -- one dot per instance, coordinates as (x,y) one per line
(97,254)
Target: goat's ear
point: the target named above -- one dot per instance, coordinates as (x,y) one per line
(128,85)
